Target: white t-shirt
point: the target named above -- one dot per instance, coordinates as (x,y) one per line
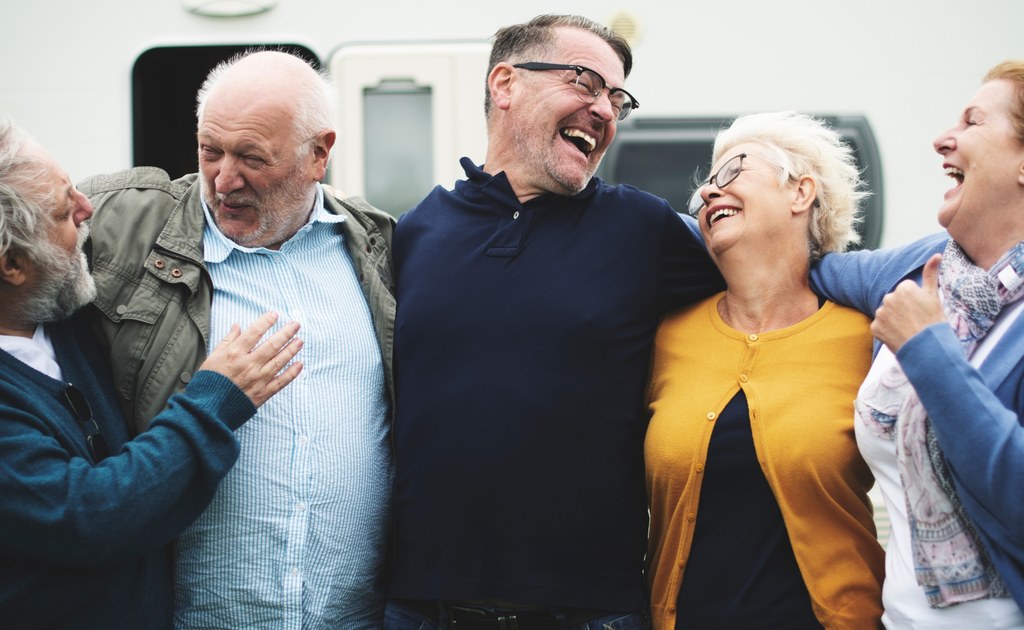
(902,598)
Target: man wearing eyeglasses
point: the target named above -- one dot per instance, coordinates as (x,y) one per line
(86,513)
(528,298)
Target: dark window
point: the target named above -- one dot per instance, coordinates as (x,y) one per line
(164,85)
(667,156)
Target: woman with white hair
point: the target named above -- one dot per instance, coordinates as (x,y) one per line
(759,510)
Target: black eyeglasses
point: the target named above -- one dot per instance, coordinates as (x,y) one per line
(589,86)
(80,406)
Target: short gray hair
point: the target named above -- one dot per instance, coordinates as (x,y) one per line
(807,146)
(538,35)
(314,99)
(25,218)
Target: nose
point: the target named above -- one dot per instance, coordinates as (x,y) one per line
(83,208)
(602,107)
(945,142)
(228,178)
(710,191)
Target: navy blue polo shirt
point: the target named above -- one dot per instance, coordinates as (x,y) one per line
(522,350)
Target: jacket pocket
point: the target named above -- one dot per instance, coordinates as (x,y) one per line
(130,307)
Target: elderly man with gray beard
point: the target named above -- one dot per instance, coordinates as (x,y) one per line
(87,512)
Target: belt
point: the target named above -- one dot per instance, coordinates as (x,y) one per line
(472,617)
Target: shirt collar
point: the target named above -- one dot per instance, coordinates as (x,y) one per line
(217,247)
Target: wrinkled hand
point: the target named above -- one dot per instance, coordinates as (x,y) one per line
(257,369)
(910,308)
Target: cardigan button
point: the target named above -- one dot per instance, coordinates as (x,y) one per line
(711,415)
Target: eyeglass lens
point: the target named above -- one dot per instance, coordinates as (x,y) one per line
(591,84)
(83,412)
(729,171)
(726,175)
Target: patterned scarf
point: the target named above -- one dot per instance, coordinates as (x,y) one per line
(950,563)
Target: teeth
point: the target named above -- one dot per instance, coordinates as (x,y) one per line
(576,133)
(724,212)
(955,173)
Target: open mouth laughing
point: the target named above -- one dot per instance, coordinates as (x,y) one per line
(582,141)
(720,213)
(956,174)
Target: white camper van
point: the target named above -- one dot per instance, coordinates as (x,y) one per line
(108,84)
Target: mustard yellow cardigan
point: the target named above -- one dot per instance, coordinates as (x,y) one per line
(800,383)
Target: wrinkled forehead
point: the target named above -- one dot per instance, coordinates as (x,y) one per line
(580,47)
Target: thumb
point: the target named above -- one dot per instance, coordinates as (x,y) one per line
(930,278)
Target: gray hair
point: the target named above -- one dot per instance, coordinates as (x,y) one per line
(24,205)
(807,146)
(314,100)
(513,43)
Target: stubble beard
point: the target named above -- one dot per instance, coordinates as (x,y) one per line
(566,179)
(276,210)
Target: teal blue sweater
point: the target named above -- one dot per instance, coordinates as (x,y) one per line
(82,544)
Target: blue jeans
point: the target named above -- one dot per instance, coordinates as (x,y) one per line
(399,617)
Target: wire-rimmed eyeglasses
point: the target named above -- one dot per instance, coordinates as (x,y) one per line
(589,85)
(726,174)
(83,413)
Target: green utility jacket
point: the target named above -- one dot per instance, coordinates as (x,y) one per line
(154,293)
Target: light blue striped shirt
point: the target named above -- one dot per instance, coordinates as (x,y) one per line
(295,535)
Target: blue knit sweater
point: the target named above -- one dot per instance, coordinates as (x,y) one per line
(977,413)
(82,544)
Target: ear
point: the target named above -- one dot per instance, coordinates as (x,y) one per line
(322,145)
(500,82)
(806,194)
(13,269)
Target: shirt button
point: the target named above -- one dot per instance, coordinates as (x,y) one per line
(303,440)
(743,378)
(699,467)
(711,415)
(691,517)
(300,506)
(752,337)
(295,570)
(515,215)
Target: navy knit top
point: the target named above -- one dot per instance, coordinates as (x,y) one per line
(523,343)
